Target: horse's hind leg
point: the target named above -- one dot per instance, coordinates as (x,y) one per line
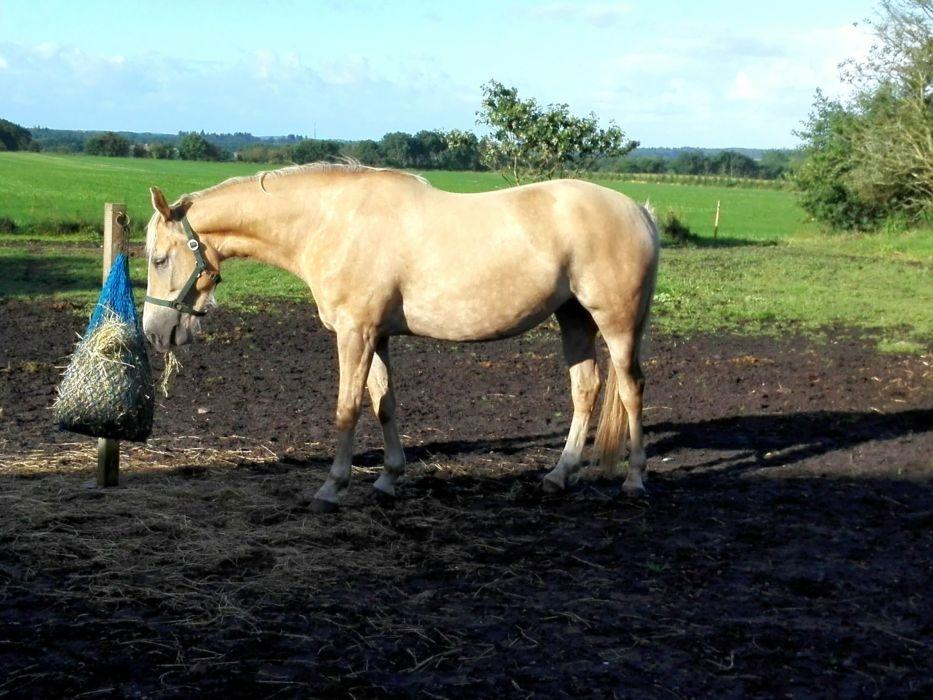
(578,334)
(383,400)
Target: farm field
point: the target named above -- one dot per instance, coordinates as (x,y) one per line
(784,549)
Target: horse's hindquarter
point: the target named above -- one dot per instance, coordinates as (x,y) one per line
(495,264)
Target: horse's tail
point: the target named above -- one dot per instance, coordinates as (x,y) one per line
(612,428)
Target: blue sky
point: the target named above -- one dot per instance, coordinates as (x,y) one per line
(712,73)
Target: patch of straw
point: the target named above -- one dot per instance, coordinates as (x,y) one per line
(172,365)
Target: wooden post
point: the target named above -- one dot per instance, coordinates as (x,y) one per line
(115,240)
(716,222)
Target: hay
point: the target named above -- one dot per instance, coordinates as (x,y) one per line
(172,365)
(106,390)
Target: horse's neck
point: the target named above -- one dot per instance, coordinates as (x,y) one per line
(241,223)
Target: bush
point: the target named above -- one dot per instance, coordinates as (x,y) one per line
(673,229)
(7,225)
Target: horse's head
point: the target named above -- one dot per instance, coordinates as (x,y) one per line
(183,272)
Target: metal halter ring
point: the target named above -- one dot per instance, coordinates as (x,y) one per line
(193,244)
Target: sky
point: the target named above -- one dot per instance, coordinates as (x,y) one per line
(717,73)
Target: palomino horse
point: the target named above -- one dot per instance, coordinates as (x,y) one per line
(385,254)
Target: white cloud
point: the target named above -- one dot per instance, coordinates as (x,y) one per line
(743,88)
(600,14)
(3,63)
(45,50)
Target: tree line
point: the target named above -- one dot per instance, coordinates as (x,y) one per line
(426,149)
(773,164)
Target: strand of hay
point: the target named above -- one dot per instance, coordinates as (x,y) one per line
(172,365)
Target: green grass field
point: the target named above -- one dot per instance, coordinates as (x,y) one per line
(770,271)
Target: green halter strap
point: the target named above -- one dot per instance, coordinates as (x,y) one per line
(181,302)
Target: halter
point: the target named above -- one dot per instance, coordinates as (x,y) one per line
(181,303)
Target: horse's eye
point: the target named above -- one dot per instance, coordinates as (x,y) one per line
(160,262)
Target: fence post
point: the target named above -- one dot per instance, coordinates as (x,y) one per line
(716,222)
(115,241)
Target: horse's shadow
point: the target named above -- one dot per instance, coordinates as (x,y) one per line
(788,438)
(748,441)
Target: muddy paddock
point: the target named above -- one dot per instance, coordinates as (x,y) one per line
(785,548)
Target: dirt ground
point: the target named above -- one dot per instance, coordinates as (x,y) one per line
(785,548)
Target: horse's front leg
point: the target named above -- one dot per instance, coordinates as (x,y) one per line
(355,348)
(383,400)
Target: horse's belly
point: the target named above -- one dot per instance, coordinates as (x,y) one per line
(483,309)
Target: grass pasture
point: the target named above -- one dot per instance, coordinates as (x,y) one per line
(769,271)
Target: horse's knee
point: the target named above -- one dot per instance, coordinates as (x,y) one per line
(346,418)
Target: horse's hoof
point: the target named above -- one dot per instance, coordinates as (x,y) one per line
(551,487)
(321,507)
(381,498)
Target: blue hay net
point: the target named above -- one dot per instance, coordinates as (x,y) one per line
(116,298)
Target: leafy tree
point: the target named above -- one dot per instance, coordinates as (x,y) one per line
(462,151)
(871,158)
(734,164)
(162,150)
(314,150)
(691,163)
(427,149)
(397,149)
(107,144)
(530,141)
(366,152)
(194,146)
(774,164)
(13,137)
(139,150)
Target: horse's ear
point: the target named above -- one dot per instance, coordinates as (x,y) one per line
(159,203)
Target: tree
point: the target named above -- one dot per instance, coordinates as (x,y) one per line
(774,164)
(366,152)
(823,179)
(893,166)
(162,150)
(871,158)
(397,149)
(427,149)
(314,150)
(462,151)
(691,163)
(193,146)
(529,141)
(732,164)
(107,144)
(13,137)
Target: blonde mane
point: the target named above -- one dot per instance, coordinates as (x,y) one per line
(346,165)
